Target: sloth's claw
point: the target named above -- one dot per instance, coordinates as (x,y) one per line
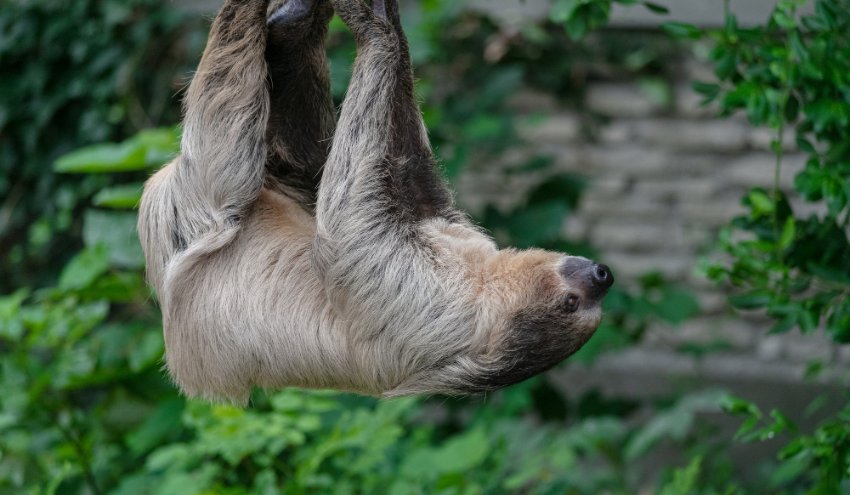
(290,12)
(380,8)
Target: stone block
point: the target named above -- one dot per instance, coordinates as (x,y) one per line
(761,137)
(757,169)
(529,101)
(709,214)
(556,128)
(633,160)
(632,207)
(816,346)
(631,265)
(675,189)
(770,347)
(708,330)
(636,236)
(709,136)
(689,104)
(620,100)
(616,132)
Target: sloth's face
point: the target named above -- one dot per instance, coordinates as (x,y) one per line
(550,305)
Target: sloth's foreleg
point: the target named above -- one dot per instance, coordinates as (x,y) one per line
(303,117)
(223,151)
(195,204)
(378,186)
(381,169)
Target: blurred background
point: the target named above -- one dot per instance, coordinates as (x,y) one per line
(697,147)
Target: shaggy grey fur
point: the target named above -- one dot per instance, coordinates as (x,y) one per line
(273,271)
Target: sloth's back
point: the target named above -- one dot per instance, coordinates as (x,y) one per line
(229,313)
(270,283)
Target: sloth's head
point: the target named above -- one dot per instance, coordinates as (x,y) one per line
(535,308)
(548,305)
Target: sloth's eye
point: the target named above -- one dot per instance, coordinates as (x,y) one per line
(571,303)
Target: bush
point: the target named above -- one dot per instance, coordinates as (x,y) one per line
(75,73)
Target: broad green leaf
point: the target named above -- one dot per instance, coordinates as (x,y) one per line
(675,423)
(85,267)
(117,231)
(145,150)
(563,10)
(752,300)
(608,337)
(124,197)
(676,305)
(682,30)
(103,158)
(656,8)
(709,90)
(685,480)
(164,421)
(762,203)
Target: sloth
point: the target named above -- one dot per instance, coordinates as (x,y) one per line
(289,248)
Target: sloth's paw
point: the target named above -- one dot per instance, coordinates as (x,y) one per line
(296,19)
(369,22)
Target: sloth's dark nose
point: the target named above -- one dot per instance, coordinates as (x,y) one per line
(602,277)
(594,279)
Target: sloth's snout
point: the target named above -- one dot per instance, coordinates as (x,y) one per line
(602,277)
(594,279)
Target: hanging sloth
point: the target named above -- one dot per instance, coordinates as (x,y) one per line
(288,249)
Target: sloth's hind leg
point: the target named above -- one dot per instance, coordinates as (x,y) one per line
(302,118)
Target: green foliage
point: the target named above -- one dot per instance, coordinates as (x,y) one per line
(80,362)
(74,73)
(819,461)
(792,74)
(579,17)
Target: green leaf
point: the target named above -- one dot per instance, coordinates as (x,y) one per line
(676,305)
(564,187)
(563,10)
(103,158)
(117,231)
(685,480)
(147,149)
(709,90)
(85,268)
(682,30)
(752,300)
(164,421)
(124,197)
(577,27)
(784,19)
(608,337)
(763,205)
(675,423)
(738,406)
(656,8)
(459,454)
(536,223)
